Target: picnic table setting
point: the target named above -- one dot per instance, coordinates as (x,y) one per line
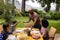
(25,34)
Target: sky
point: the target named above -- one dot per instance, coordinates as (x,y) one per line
(35,5)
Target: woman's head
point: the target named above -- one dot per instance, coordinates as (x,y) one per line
(6,26)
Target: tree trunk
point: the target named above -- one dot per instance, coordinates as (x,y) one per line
(23,7)
(48,6)
(13,9)
(57,7)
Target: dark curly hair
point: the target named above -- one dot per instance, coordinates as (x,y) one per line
(5,25)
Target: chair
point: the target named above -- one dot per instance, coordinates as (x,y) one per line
(52,33)
(28,25)
(1,28)
(58,38)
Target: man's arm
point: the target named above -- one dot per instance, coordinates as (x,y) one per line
(28,21)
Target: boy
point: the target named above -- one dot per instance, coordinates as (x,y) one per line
(5,32)
(12,28)
(44,29)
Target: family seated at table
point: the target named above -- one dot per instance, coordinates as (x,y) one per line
(38,30)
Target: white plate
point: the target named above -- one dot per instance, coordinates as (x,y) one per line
(11,37)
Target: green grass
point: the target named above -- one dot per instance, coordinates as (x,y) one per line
(1,21)
(54,23)
(21,19)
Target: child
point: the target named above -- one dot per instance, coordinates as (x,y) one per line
(4,34)
(44,29)
(12,28)
(34,34)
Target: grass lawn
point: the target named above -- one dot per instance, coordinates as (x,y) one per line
(54,23)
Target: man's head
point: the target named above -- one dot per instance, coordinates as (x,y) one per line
(31,11)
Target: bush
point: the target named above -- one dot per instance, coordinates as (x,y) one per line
(26,13)
(18,13)
(39,12)
(55,15)
(48,15)
(1,13)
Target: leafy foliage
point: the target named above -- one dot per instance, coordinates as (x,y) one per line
(49,15)
(55,15)
(1,7)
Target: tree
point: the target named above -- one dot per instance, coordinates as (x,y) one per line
(23,7)
(43,2)
(57,5)
(48,5)
(47,2)
(50,1)
(7,11)
(13,8)
(1,7)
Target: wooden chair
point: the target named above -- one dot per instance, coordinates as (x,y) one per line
(1,28)
(52,33)
(28,25)
(58,38)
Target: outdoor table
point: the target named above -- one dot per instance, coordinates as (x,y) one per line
(23,36)
(30,38)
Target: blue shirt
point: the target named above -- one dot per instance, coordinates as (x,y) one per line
(4,35)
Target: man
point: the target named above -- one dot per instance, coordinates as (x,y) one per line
(35,18)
